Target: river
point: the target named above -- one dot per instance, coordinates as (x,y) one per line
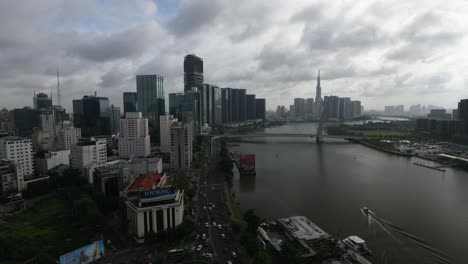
(329,183)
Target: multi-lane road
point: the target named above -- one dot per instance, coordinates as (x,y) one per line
(214,229)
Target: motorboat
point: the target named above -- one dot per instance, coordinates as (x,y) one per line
(357,244)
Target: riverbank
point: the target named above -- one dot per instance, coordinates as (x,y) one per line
(373,146)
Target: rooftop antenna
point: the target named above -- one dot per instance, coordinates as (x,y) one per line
(58,88)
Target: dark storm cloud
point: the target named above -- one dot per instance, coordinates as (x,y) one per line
(192,16)
(126,44)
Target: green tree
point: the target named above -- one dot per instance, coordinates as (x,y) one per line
(252,220)
(262,258)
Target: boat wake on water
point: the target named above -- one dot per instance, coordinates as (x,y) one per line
(388,226)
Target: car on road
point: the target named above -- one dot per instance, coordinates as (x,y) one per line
(199,247)
(214,224)
(229,262)
(220,227)
(207,255)
(223,236)
(234,254)
(204,236)
(206,224)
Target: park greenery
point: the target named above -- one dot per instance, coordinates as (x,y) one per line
(397,130)
(65,219)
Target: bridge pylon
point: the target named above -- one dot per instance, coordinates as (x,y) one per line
(323,119)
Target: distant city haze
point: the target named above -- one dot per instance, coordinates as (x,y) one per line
(379,52)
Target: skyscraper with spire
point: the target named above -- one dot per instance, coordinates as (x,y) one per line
(318,98)
(318,89)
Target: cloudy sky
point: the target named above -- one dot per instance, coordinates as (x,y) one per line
(381,52)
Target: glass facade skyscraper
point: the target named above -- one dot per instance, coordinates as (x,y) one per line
(250,106)
(193,73)
(130,102)
(151,103)
(93,115)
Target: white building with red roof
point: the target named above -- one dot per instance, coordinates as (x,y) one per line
(153,205)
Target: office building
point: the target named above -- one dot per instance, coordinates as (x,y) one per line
(129,102)
(250,107)
(260,108)
(25,120)
(93,115)
(235,105)
(41,140)
(299,107)
(165,124)
(115,119)
(455,114)
(226,105)
(216,102)
(68,135)
(151,102)
(333,103)
(193,73)
(153,206)
(357,108)
(8,179)
(51,159)
(181,146)
(48,122)
(108,180)
(242,105)
(439,114)
(185,107)
(463,115)
(41,101)
(87,153)
(309,106)
(346,108)
(20,152)
(210,105)
(134,139)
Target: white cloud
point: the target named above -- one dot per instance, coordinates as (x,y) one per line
(382,52)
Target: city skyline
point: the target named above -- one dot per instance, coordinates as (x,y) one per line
(364,50)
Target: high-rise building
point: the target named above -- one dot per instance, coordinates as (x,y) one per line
(333,107)
(181,146)
(299,107)
(455,114)
(260,108)
(25,120)
(346,108)
(439,114)
(357,108)
(20,152)
(175,104)
(89,152)
(318,98)
(48,122)
(309,108)
(463,114)
(165,124)
(42,101)
(193,73)
(129,102)
(115,119)
(151,103)
(242,105)
(226,105)
(93,115)
(186,108)
(250,107)
(217,112)
(50,160)
(8,179)
(235,105)
(68,135)
(134,139)
(42,140)
(210,105)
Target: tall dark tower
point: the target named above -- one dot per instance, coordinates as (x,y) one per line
(318,90)
(193,73)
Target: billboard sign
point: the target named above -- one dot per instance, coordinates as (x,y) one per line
(247,162)
(84,255)
(158,194)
